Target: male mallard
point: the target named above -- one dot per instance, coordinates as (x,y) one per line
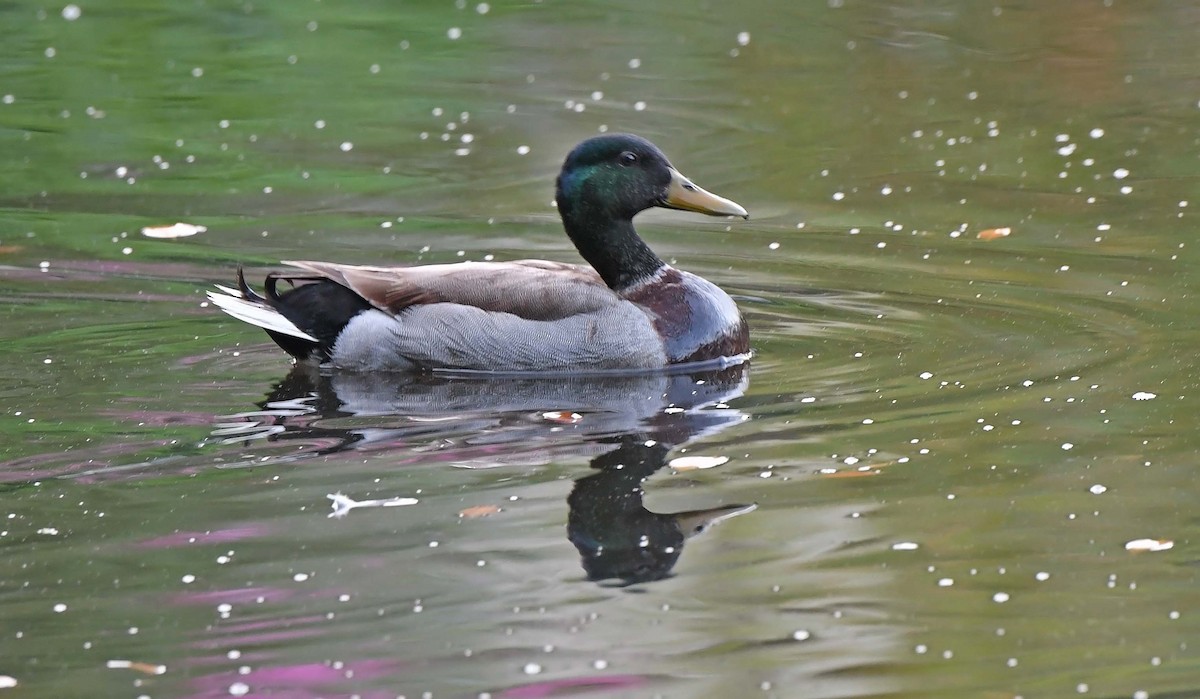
(628,311)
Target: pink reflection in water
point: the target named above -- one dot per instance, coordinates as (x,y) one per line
(217,536)
(572,685)
(242,595)
(301,681)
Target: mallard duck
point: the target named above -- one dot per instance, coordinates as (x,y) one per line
(628,310)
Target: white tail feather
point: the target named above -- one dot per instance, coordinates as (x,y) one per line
(254,313)
(232,292)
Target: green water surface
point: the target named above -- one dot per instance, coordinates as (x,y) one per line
(950,440)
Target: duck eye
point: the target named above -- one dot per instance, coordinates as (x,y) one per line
(628,158)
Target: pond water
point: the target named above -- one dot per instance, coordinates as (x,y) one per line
(925,484)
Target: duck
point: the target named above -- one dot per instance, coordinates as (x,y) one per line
(626,310)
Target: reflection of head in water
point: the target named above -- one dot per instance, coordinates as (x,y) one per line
(616,536)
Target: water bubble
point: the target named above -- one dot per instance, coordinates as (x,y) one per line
(454,33)
(71,12)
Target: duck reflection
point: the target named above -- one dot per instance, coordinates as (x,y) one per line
(627,425)
(616,536)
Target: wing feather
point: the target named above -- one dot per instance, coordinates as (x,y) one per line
(530,289)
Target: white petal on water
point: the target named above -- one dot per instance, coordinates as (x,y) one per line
(1149,545)
(693,463)
(342,504)
(1144,395)
(177,230)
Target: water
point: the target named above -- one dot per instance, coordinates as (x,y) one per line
(923,485)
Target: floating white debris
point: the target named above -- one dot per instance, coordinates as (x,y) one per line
(905,546)
(694,463)
(342,504)
(1000,597)
(1097,489)
(1144,395)
(563,416)
(7,682)
(148,668)
(1149,545)
(178,230)
(48,531)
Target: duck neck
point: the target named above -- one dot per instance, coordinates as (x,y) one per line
(612,247)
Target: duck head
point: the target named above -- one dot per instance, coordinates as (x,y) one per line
(605,182)
(622,175)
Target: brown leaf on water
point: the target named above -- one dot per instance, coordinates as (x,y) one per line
(478,511)
(993,233)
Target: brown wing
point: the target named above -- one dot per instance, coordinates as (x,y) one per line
(532,289)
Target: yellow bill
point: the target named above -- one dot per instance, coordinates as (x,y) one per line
(685,196)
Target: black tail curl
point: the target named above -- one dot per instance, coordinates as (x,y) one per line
(317,306)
